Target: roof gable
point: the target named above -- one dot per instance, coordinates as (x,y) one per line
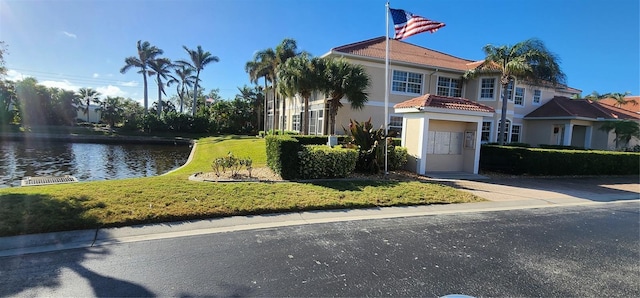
(444,102)
(405,52)
(564,107)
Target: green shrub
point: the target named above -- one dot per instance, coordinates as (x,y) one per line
(282,155)
(321,161)
(221,164)
(370,144)
(397,158)
(536,161)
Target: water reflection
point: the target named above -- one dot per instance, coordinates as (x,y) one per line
(86,161)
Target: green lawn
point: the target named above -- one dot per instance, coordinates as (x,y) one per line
(173,197)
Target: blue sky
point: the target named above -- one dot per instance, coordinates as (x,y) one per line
(73,43)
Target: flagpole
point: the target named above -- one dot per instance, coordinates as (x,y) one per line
(386,92)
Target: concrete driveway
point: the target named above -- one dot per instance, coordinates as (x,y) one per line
(553,190)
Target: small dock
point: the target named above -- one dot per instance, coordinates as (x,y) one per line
(33,181)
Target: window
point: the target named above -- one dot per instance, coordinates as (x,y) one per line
(406,82)
(449,87)
(395,125)
(486,88)
(320,122)
(295,122)
(505,136)
(313,118)
(509,91)
(518,99)
(515,133)
(536,96)
(486,132)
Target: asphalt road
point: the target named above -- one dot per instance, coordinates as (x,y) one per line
(588,251)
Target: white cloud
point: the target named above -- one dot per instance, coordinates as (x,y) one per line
(129,84)
(69,34)
(111,91)
(64,84)
(15,76)
(95,75)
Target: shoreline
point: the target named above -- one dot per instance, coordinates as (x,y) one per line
(75,138)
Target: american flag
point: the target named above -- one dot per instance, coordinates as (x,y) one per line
(407,24)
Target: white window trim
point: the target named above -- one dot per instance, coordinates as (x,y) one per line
(480,98)
(450,88)
(524,96)
(519,133)
(533,96)
(490,132)
(407,93)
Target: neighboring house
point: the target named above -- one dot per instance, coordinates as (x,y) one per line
(575,122)
(631,107)
(94,115)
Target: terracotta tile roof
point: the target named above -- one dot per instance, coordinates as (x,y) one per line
(444,102)
(564,107)
(405,52)
(629,107)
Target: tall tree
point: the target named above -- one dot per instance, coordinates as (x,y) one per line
(258,69)
(287,49)
(340,79)
(111,109)
(183,78)
(199,59)
(528,60)
(146,53)
(160,67)
(299,76)
(255,98)
(88,95)
(8,102)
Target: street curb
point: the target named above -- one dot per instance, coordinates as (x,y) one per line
(38,243)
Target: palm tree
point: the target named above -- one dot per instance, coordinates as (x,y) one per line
(299,76)
(199,59)
(620,99)
(111,110)
(146,53)
(623,129)
(88,95)
(183,78)
(161,67)
(288,48)
(265,64)
(254,97)
(259,69)
(339,79)
(528,60)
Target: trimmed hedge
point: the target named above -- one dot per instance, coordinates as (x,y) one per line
(536,161)
(282,155)
(318,161)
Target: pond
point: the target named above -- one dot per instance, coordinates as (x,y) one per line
(86,161)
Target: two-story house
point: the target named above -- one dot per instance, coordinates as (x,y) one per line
(414,71)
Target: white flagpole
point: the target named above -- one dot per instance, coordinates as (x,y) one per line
(386,93)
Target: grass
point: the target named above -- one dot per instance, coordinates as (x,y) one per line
(173,197)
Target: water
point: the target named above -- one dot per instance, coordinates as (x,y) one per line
(86,161)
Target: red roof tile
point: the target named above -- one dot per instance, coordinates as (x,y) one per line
(564,107)
(444,102)
(629,107)
(405,52)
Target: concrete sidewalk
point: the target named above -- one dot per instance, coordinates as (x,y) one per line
(502,194)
